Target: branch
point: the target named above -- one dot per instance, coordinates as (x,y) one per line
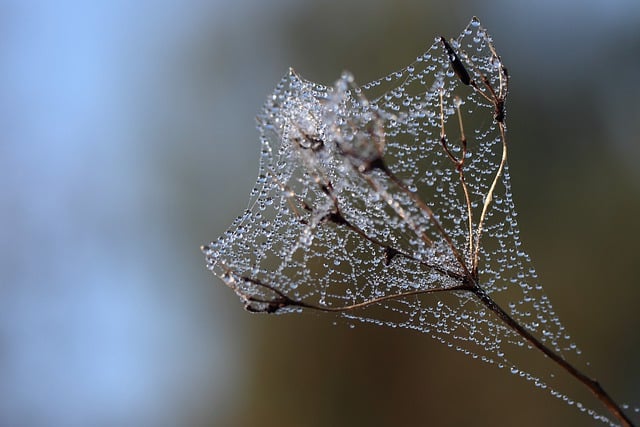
(593,385)
(282,300)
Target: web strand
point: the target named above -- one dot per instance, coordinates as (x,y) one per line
(365,207)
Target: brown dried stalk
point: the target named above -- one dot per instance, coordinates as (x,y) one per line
(465,272)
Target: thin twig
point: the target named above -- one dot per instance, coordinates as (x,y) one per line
(426,209)
(593,385)
(488,198)
(468,280)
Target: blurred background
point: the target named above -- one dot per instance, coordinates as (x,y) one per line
(128,140)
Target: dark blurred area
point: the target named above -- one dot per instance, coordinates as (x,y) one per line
(129,141)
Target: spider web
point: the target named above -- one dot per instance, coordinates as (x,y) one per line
(325,227)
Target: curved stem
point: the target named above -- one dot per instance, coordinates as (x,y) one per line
(593,385)
(489,197)
(283,300)
(384,298)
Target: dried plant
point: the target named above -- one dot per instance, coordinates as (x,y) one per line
(390,203)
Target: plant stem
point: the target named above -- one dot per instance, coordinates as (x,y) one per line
(593,385)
